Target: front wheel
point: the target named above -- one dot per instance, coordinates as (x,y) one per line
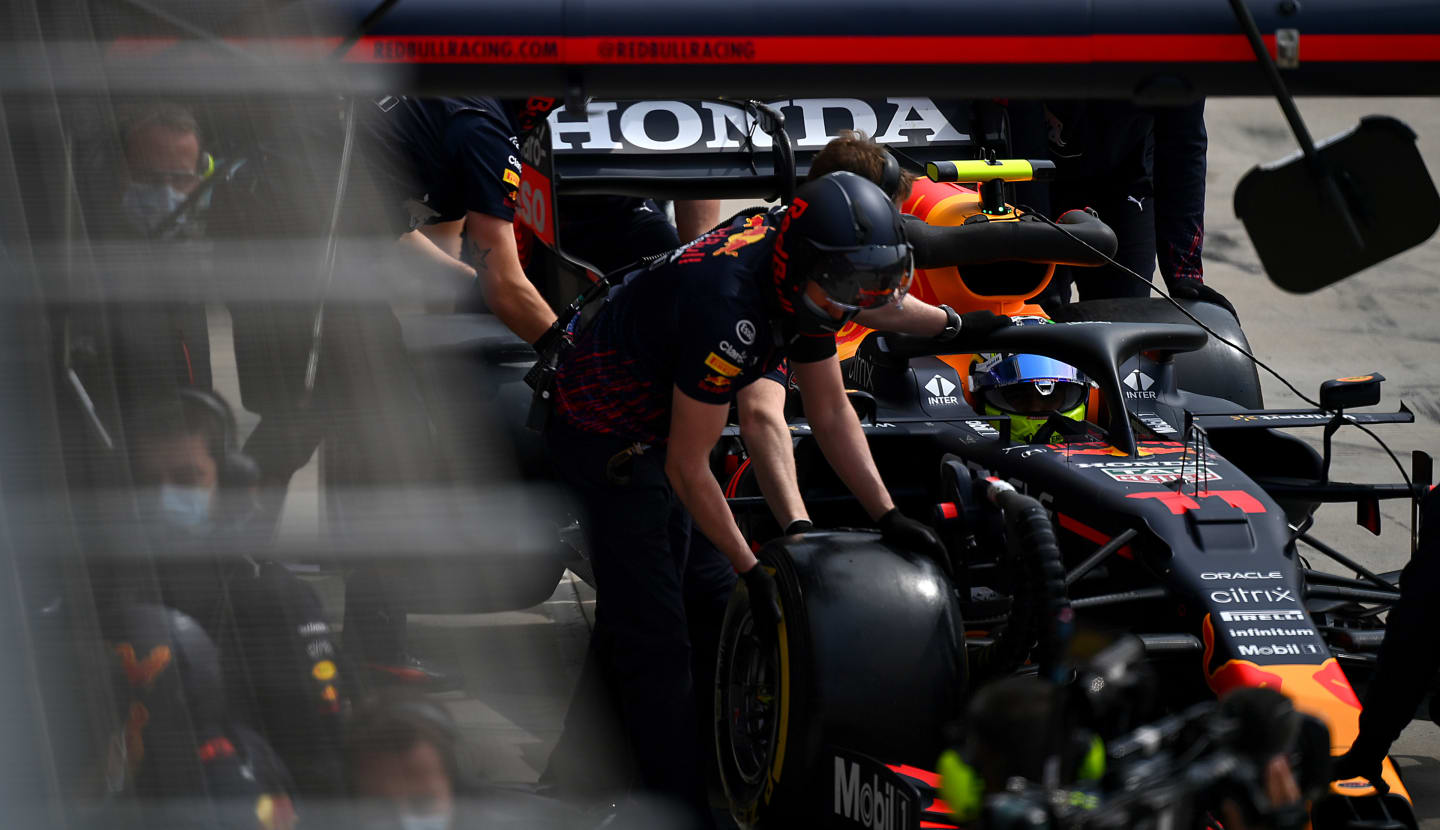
(754,693)
(869,660)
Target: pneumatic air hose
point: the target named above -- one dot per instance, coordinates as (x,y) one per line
(1040,606)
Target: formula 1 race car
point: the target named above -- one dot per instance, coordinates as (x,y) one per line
(1171,507)
(1176,508)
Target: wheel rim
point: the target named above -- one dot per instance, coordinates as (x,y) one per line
(752,703)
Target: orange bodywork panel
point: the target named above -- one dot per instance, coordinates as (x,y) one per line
(948,205)
(1318,690)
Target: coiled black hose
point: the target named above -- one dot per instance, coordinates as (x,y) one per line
(1039,605)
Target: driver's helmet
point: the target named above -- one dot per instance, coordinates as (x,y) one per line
(841,249)
(1028,388)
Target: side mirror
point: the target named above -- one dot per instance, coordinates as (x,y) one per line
(1365,197)
(1344,393)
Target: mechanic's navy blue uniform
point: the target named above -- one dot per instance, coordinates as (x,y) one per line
(1143,171)
(701,322)
(433,159)
(444,156)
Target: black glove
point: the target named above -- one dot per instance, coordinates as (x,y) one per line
(798,526)
(1361,762)
(906,533)
(973,327)
(1193,289)
(764,600)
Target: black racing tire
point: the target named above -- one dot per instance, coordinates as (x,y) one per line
(1215,370)
(870,658)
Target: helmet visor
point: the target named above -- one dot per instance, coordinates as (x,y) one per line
(864,277)
(1034,397)
(1030,384)
(998,370)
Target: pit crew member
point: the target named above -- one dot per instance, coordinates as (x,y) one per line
(1409,656)
(643,396)
(761,406)
(432,160)
(1144,171)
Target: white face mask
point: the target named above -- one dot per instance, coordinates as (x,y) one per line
(433,821)
(184,508)
(146,205)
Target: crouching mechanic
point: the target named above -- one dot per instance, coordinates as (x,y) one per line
(642,398)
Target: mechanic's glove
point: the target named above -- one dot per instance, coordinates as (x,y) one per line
(972,327)
(764,601)
(798,526)
(1362,761)
(904,532)
(1193,289)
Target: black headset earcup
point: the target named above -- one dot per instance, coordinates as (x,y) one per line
(890,176)
(238,499)
(238,470)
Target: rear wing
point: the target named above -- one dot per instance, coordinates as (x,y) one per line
(713,149)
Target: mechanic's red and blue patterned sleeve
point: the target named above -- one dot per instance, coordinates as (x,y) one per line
(780,373)
(1179,175)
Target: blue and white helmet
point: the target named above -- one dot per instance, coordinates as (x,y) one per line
(1027,387)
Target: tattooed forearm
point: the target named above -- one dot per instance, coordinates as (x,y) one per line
(475,256)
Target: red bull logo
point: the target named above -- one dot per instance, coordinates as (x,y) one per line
(142,673)
(755,230)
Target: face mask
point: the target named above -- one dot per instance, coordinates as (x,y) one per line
(184,508)
(435,821)
(146,205)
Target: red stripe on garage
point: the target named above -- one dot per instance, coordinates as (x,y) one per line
(824,49)
(895,50)
(1366,48)
(1089,533)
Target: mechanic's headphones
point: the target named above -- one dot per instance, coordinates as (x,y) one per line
(236,470)
(890,175)
(206,167)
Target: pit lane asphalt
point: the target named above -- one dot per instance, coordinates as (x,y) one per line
(519,666)
(1382,319)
